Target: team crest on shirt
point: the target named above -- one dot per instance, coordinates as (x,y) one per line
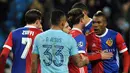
(109,42)
(87,32)
(80,44)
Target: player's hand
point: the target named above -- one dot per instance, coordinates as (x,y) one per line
(106,55)
(84,58)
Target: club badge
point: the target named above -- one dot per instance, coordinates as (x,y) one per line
(87,32)
(109,42)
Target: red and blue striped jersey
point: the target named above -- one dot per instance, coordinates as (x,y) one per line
(111,41)
(20,42)
(88,30)
(81,43)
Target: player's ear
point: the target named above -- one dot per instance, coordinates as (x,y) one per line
(36,22)
(85,12)
(105,23)
(63,24)
(81,20)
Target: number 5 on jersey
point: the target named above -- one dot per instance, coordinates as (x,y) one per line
(26,41)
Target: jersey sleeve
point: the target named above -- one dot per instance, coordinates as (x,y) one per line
(121,43)
(81,42)
(74,48)
(35,45)
(9,43)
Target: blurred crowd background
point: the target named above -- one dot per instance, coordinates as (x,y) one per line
(12,15)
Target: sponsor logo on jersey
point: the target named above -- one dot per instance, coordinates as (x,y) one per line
(109,42)
(94,45)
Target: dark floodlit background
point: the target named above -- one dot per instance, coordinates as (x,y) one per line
(12,15)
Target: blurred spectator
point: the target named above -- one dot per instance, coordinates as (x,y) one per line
(48,8)
(11,14)
(2,38)
(4,5)
(122,25)
(36,4)
(64,5)
(15,14)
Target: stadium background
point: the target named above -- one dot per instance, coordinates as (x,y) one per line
(12,15)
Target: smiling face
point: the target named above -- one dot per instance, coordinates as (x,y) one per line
(99,24)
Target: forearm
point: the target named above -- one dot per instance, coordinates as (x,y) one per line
(93,57)
(5,52)
(3,56)
(34,67)
(82,60)
(34,64)
(125,62)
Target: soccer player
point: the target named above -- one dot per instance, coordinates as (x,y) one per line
(20,42)
(76,19)
(67,28)
(107,39)
(54,47)
(88,30)
(87,20)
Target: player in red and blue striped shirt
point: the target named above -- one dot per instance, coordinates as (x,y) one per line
(20,42)
(76,19)
(109,40)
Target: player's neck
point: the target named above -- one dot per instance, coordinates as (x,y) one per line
(78,26)
(56,27)
(31,25)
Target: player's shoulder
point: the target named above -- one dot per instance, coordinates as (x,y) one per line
(18,29)
(36,30)
(75,33)
(112,32)
(27,28)
(39,35)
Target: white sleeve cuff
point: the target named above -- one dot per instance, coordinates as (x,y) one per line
(123,50)
(7,46)
(81,51)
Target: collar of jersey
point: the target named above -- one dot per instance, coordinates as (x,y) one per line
(77,29)
(103,33)
(55,30)
(88,22)
(30,26)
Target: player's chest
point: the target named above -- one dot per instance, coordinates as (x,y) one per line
(102,43)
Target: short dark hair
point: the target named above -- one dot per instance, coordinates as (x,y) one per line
(80,5)
(32,15)
(100,13)
(74,16)
(56,17)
